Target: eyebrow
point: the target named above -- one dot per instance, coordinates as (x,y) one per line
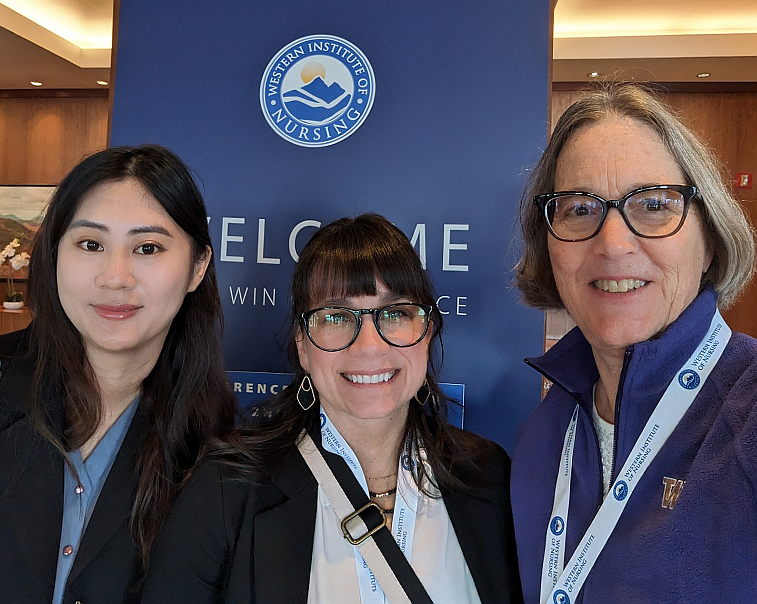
(88,224)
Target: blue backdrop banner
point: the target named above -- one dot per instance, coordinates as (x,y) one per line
(295,114)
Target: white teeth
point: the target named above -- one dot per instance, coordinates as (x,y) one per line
(624,285)
(370,379)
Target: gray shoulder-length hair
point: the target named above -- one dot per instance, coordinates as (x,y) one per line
(729,233)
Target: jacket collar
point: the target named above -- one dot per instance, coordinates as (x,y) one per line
(38,481)
(114,505)
(648,368)
(283,533)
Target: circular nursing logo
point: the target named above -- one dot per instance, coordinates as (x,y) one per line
(323,420)
(561,597)
(406,463)
(620,490)
(317,90)
(557,526)
(689,379)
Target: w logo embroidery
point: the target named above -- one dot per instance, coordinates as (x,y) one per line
(671,492)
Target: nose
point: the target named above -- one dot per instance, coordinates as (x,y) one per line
(117,271)
(614,238)
(368,339)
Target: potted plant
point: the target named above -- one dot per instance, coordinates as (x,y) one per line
(14,300)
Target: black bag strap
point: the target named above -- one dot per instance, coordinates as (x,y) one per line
(376,544)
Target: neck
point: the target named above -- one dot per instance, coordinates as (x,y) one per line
(375,442)
(119,381)
(610,367)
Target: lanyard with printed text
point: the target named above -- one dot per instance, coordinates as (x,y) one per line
(560,583)
(405,506)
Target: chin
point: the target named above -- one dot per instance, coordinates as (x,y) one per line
(623,336)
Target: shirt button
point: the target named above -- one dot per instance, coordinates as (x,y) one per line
(68,550)
(79,489)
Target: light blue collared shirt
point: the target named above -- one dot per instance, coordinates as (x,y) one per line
(79,498)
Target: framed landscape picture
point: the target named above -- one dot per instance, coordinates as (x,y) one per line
(21,211)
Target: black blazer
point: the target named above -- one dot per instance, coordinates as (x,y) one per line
(107,568)
(231,540)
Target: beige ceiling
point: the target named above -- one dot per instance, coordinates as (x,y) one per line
(656,40)
(66,43)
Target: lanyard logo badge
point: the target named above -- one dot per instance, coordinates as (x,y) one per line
(620,490)
(561,597)
(407,463)
(317,90)
(689,379)
(557,526)
(323,420)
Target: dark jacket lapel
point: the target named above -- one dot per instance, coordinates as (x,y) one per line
(113,507)
(473,518)
(31,503)
(483,524)
(283,535)
(31,474)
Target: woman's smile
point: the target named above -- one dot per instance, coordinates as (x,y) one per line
(370,378)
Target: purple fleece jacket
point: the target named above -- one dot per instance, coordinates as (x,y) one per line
(704,549)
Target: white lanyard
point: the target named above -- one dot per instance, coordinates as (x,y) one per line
(405,507)
(560,584)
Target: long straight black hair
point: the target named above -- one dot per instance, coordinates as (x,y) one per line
(186,396)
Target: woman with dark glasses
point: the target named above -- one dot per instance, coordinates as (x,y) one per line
(635,479)
(258,522)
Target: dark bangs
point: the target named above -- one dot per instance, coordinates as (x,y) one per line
(348,257)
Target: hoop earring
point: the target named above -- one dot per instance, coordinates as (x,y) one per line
(306,393)
(424,394)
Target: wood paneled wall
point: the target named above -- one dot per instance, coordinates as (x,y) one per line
(728,121)
(43,137)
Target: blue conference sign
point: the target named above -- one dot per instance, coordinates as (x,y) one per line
(295,114)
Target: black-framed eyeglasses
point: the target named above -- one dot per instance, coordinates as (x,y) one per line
(334,328)
(653,212)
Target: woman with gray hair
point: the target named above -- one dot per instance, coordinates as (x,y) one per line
(636,478)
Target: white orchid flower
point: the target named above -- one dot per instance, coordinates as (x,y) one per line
(20,261)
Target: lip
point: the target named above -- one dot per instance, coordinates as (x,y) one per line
(116,311)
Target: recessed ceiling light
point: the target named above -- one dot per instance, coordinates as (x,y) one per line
(593,74)
(102,82)
(36,83)
(704,74)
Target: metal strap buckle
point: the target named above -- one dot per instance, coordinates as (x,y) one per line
(356,514)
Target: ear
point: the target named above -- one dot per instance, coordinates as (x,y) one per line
(201,265)
(302,350)
(709,254)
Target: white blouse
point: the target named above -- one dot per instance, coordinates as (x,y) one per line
(436,558)
(606,436)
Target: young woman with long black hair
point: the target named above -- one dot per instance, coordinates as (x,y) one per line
(108,396)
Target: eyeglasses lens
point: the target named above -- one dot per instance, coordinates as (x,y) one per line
(399,324)
(655,213)
(652,213)
(574,216)
(332,328)
(403,324)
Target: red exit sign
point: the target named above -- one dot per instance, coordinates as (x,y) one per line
(743,180)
